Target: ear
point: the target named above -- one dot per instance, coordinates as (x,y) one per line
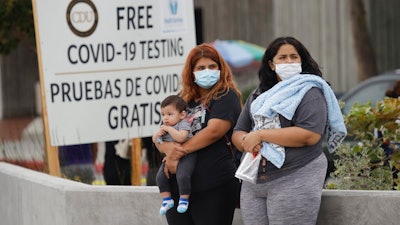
(183,114)
(271,65)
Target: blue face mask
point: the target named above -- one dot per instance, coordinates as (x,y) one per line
(207,78)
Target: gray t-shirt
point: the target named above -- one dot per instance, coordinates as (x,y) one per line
(182,125)
(311,114)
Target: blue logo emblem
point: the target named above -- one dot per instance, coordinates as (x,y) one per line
(173,6)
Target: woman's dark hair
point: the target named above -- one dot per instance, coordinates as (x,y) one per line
(175,101)
(268,77)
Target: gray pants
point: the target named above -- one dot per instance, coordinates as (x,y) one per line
(290,200)
(183,175)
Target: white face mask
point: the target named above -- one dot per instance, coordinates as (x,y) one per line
(287,70)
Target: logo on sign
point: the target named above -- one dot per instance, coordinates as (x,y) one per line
(173,19)
(82,17)
(173,6)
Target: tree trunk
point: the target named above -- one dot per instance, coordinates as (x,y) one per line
(366,60)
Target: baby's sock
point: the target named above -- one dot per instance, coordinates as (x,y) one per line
(183,205)
(166,205)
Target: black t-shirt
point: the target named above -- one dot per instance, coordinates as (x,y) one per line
(214,165)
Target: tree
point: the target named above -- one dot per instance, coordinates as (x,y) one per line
(366,60)
(16,25)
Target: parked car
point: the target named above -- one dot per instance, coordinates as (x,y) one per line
(372,89)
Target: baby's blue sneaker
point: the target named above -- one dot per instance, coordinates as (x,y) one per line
(183,205)
(166,205)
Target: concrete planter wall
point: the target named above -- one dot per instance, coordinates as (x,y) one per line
(33,198)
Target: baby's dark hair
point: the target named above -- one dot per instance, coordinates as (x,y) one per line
(176,101)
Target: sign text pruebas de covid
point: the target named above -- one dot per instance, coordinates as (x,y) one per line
(107,65)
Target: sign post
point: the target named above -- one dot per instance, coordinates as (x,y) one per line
(105,66)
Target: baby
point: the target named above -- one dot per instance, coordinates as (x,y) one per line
(175,128)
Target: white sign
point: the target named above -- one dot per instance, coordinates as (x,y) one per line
(107,65)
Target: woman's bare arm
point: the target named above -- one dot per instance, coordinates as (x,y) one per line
(288,137)
(237,138)
(215,129)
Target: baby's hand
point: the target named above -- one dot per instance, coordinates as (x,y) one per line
(165,128)
(161,132)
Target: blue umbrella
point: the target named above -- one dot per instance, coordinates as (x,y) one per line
(240,55)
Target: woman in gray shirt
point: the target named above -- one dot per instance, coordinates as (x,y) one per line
(292,169)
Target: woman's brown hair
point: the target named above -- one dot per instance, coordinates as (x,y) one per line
(190,90)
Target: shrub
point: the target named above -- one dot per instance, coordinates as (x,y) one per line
(362,162)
